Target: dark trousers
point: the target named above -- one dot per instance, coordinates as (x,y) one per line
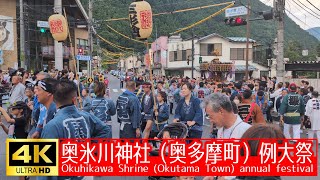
(121,84)
(171,108)
(143,126)
(269,117)
(128,132)
(194,134)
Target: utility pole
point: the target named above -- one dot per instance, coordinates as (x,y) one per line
(247,44)
(58,53)
(22,38)
(192,51)
(279,10)
(90,39)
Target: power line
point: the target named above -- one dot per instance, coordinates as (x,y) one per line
(308,8)
(300,20)
(313,5)
(305,9)
(178,11)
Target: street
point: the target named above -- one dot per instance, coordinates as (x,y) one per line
(115,91)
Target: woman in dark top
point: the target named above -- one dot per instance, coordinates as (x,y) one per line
(21,120)
(189,112)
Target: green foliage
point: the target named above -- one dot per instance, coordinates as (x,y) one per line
(318,50)
(262,31)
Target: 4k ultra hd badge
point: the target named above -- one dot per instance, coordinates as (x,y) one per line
(32,157)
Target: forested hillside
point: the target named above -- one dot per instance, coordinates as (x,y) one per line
(262,31)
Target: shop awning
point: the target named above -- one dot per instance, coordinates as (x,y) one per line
(243,68)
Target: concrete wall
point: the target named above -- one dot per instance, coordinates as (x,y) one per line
(8,8)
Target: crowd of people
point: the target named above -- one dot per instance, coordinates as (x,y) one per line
(56,105)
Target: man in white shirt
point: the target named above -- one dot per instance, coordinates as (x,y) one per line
(313,112)
(17,90)
(220,112)
(276,94)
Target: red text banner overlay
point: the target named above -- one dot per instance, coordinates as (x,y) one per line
(205,157)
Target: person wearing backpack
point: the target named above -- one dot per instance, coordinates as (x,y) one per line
(103,108)
(249,111)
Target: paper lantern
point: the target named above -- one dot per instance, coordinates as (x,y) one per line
(140,15)
(58,27)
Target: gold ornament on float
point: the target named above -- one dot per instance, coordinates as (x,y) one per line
(140,16)
(58,27)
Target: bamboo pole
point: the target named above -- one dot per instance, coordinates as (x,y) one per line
(74,60)
(155,107)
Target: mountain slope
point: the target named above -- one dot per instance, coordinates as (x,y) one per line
(262,31)
(315,32)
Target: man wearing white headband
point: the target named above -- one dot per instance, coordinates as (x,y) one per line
(17,90)
(44,91)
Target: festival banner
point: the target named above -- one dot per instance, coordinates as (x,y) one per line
(174,157)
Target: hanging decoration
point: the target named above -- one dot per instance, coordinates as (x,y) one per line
(140,16)
(58,27)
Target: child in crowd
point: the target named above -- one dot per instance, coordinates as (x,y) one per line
(162,115)
(21,119)
(30,97)
(86,100)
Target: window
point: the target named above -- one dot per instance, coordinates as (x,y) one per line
(175,57)
(239,54)
(211,49)
(184,55)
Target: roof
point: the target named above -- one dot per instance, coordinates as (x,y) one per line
(243,68)
(210,36)
(231,39)
(240,39)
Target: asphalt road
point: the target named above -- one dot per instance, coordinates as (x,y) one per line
(115,91)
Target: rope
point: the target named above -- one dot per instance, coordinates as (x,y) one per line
(114,45)
(203,20)
(126,36)
(112,53)
(177,11)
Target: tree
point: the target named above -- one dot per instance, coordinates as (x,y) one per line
(293,51)
(318,50)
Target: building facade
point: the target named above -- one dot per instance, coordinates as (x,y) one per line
(39,45)
(160,49)
(8,34)
(229,52)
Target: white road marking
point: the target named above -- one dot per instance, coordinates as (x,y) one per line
(115,90)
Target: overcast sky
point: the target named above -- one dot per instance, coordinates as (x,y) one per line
(308,21)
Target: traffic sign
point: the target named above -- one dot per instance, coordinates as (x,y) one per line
(236,11)
(90,80)
(83,58)
(43,24)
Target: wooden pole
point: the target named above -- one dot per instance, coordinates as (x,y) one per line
(155,107)
(74,60)
(247,44)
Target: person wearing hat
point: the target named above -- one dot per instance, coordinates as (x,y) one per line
(21,119)
(292,111)
(313,113)
(17,90)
